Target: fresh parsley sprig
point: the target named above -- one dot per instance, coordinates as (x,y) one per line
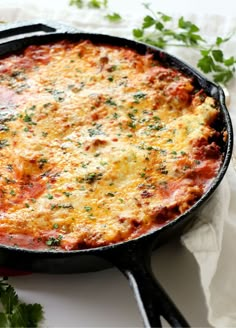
(15,313)
(90,3)
(97,4)
(213,61)
(158,29)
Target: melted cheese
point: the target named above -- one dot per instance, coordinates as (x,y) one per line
(98,144)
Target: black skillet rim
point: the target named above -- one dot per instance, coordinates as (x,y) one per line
(211,88)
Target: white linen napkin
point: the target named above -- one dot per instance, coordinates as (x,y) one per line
(211,240)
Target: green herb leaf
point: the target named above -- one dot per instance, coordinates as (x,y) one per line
(19,317)
(16,313)
(206,64)
(159,26)
(9,299)
(230,61)
(34,312)
(92,177)
(187,25)
(219,40)
(115,17)
(67,193)
(87,208)
(164,17)
(77,3)
(4,322)
(54,241)
(223,77)
(138,33)
(3,143)
(49,196)
(148,21)
(218,55)
(97,4)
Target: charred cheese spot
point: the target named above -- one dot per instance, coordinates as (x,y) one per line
(98,144)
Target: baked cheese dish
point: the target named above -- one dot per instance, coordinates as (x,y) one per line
(98,144)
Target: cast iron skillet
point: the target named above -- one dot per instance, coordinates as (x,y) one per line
(131,257)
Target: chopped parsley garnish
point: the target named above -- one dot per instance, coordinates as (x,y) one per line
(88,208)
(110,194)
(54,241)
(32,107)
(67,194)
(115,115)
(47,105)
(84,164)
(4,143)
(110,78)
(110,102)
(7,116)
(112,68)
(162,169)
(44,134)
(131,116)
(55,206)
(186,167)
(4,127)
(132,125)
(9,167)
(155,127)
(49,196)
(139,95)
(42,162)
(27,118)
(92,177)
(58,95)
(95,131)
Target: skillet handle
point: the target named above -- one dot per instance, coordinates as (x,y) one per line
(33,27)
(153,302)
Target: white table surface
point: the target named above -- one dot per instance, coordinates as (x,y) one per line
(104,299)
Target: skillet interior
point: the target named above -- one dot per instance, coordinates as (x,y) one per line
(92,259)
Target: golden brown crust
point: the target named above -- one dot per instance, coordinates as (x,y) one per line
(98,144)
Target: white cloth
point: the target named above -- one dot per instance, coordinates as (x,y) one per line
(214,233)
